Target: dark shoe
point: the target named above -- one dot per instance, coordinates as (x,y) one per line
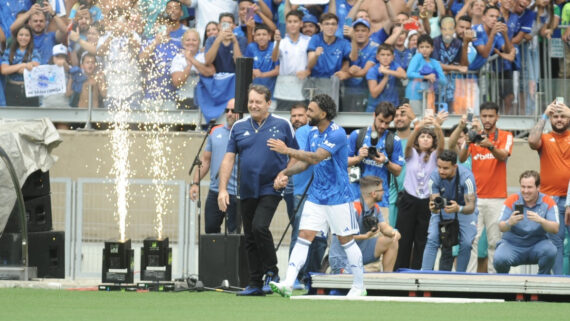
(251,291)
(269,277)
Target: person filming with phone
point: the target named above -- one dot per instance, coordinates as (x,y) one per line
(527,219)
(554,151)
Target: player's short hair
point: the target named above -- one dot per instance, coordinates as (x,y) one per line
(326,104)
(489,105)
(386,109)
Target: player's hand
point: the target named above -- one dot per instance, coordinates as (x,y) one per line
(382,69)
(441,117)
(277,35)
(486,143)
(194,192)
(430,78)
(277,145)
(380,158)
(432,207)
(280,181)
(302,74)
(407,110)
(354,69)
(515,218)
(256,73)
(223,200)
(452,207)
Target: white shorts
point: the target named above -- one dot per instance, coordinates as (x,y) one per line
(340,218)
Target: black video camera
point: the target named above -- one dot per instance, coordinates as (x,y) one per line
(440,203)
(370,223)
(372,152)
(475,137)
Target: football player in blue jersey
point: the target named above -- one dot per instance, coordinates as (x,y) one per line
(329,201)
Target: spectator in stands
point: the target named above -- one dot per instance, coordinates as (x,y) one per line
(491,37)
(211,30)
(373,241)
(402,122)
(430,13)
(310,25)
(22,55)
(119,48)
(474,9)
(291,52)
(383,78)
(208,10)
(265,69)
(489,153)
(81,78)
(328,55)
(388,158)
(412,41)
(456,184)
(452,55)
(223,50)
(378,12)
(247,12)
(554,152)
(80,27)
(361,60)
(89,44)
(526,229)
(423,74)
(36,20)
(10,11)
(345,11)
(59,58)
(157,54)
(87,5)
(422,149)
(185,69)
(402,55)
(152,12)
(211,161)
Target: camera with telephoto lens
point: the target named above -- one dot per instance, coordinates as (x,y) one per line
(440,203)
(370,222)
(475,137)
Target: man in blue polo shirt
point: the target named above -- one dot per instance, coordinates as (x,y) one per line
(456,184)
(490,35)
(328,54)
(526,219)
(226,47)
(43,40)
(381,164)
(258,167)
(329,202)
(216,146)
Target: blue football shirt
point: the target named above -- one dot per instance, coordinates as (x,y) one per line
(330,61)
(330,183)
(262,61)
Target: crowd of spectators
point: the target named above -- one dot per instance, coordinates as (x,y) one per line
(156,54)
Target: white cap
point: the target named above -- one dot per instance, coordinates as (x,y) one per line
(59,50)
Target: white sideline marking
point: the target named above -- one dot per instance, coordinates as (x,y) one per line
(394,299)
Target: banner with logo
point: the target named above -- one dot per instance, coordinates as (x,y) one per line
(44,80)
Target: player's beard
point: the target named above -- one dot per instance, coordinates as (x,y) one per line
(314,122)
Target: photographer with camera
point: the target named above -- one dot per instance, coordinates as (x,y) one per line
(554,151)
(452,206)
(377,151)
(376,237)
(489,148)
(525,220)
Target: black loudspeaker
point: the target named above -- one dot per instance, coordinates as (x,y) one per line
(244,77)
(47,253)
(10,249)
(36,185)
(223,257)
(38,216)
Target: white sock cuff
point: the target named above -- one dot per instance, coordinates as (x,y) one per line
(304,242)
(349,244)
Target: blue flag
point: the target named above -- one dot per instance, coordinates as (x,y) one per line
(213,93)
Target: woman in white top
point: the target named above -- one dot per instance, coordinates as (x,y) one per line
(186,68)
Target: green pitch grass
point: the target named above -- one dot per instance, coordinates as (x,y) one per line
(59,305)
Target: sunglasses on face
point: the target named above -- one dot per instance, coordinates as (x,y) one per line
(230,110)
